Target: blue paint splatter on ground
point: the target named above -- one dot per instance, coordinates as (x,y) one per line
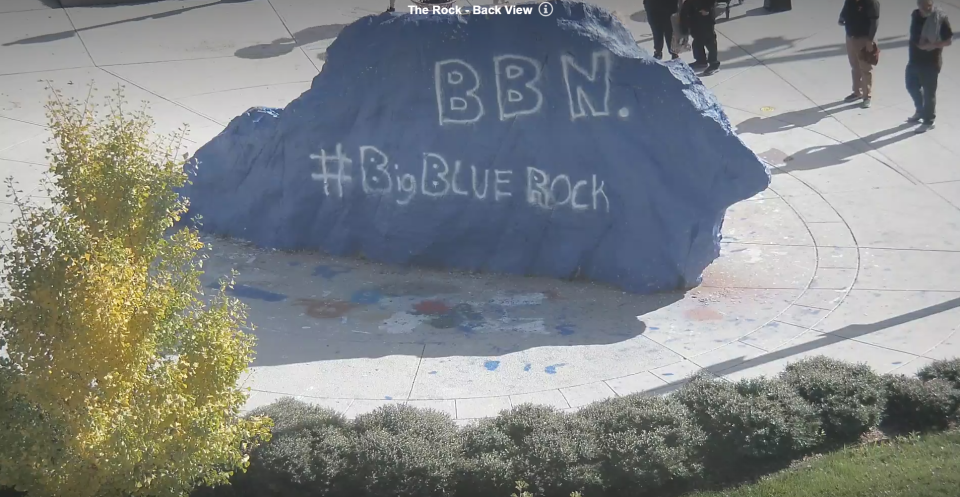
(432,372)
(387,397)
(667,374)
(566,329)
(366,297)
(491,365)
(654,328)
(249,292)
(896,363)
(552,369)
(329,272)
(293,264)
(527,367)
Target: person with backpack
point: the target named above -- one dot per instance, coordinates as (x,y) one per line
(860,19)
(930,32)
(659,14)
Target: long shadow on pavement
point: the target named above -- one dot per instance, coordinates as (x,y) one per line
(62,35)
(283,46)
(852,331)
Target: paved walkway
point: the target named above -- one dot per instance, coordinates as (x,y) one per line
(854,251)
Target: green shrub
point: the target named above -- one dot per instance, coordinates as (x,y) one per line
(917,405)
(310,454)
(850,398)
(646,445)
(945,370)
(751,423)
(406,451)
(540,445)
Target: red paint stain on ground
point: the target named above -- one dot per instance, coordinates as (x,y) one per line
(703,314)
(326,309)
(431,307)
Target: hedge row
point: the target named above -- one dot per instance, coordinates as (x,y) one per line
(709,432)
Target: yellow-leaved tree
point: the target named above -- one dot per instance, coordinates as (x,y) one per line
(120,377)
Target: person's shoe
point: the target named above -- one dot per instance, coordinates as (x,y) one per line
(915,118)
(926,126)
(853,97)
(866,103)
(711,70)
(391,9)
(697,64)
(674,56)
(658,55)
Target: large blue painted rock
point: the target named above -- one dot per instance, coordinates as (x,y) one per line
(512,143)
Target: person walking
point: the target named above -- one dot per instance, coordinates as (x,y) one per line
(860,19)
(699,18)
(661,26)
(930,32)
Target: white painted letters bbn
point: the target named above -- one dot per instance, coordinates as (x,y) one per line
(517,80)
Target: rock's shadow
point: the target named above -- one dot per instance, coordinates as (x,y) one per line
(283,46)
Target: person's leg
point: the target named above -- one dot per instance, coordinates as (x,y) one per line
(710,43)
(699,52)
(667,24)
(656,28)
(866,73)
(391,8)
(928,82)
(915,89)
(854,59)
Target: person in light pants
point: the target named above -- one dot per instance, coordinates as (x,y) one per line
(860,19)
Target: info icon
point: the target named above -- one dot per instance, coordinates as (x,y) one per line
(545,9)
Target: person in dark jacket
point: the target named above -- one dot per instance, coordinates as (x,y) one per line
(860,18)
(930,32)
(658,16)
(699,18)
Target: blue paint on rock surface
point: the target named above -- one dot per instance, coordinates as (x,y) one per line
(329,272)
(366,297)
(491,365)
(249,292)
(566,329)
(387,397)
(432,372)
(607,164)
(552,369)
(527,367)
(654,328)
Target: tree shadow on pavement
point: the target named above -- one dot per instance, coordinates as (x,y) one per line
(62,35)
(283,46)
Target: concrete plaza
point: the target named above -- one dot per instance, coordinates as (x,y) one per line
(853,252)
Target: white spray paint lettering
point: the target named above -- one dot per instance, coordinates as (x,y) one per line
(436,180)
(517,80)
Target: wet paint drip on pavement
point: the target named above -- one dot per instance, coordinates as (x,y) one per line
(462,316)
(329,272)
(249,292)
(565,329)
(431,307)
(366,297)
(491,365)
(552,369)
(325,309)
